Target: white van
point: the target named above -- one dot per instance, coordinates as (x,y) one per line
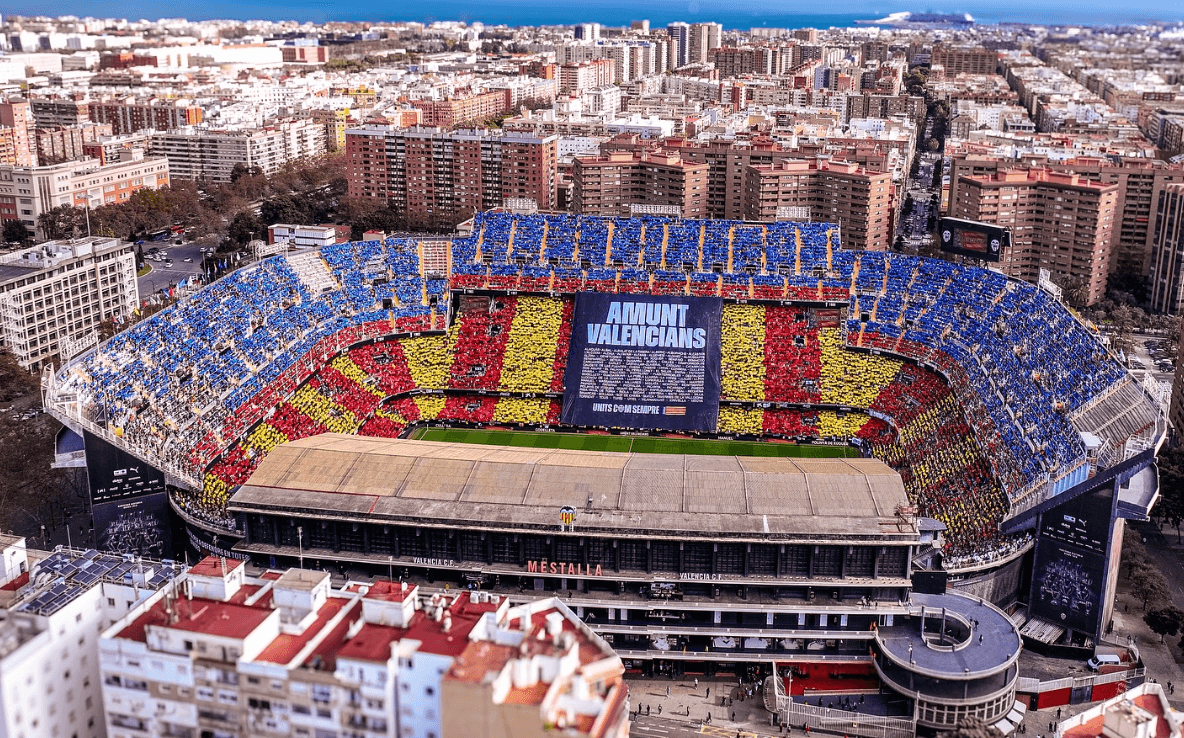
(1097,662)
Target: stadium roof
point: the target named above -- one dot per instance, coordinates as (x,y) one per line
(364,478)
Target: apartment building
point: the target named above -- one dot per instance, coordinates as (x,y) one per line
(835,189)
(286,654)
(611,184)
(131,114)
(27,192)
(52,608)
(861,202)
(1060,222)
(59,111)
(64,143)
(1140,182)
(964,59)
(467,109)
(589,75)
(884,106)
(17,115)
(731,61)
(1166,278)
(206,154)
(430,171)
(59,292)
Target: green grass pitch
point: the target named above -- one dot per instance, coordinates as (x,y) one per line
(636,444)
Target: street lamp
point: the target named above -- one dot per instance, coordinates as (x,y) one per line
(300,543)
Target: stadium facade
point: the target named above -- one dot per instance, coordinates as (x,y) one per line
(981,405)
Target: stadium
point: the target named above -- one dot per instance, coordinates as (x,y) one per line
(988,402)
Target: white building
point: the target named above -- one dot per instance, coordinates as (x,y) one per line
(53,297)
(206,154)
(221,653)
(27,192)
(54,611)
(303,236)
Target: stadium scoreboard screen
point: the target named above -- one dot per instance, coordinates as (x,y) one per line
(976,240)
(644,361)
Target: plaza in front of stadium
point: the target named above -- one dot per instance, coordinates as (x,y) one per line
(731,448)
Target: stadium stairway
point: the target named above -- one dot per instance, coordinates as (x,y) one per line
(313,272)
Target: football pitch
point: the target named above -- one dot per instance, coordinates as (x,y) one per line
(636,444)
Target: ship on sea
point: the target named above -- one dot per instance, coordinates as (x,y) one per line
(906,19)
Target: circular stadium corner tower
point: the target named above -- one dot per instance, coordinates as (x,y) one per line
(955,656)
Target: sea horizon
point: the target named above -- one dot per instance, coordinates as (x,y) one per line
(731,15)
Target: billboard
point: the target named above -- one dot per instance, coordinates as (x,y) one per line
(138,525)
(976,240)
(644,361)
(128,501)
(1070,569)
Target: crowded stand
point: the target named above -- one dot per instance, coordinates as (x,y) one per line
(293,347)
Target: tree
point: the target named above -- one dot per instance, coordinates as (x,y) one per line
(1166,621)
(64,221)
(245,227)
(1171,488)
(15,232)
(972,727)
(1148,583)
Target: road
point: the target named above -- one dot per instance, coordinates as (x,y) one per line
(162,276)
(652,726)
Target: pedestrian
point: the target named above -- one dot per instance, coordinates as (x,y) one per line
(667,690)
(1050,726)
(709,693)
(980,639)
(659,709)
(647,711)
(696,682)
(1058,713)
(733,716)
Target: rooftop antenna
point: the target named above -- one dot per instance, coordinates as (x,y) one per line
(88,220)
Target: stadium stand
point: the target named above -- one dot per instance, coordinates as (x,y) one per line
(991,416)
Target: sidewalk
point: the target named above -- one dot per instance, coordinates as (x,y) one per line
(681,699)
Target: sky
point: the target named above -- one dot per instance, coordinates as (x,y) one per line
(784,13)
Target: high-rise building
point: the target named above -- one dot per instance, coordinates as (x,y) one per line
(612,184)
(587,31)
(287,654)
(52,609)
(447,174)
(1166,278)
(964,59)
(859,201)
(1140,182)
(1060,222)
(56,295)
(734,62)
(681,34)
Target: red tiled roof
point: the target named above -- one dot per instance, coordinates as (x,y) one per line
(327,650)
(384,589)
(285,646)
(199,615)
(372,642)
(211,566)
(478,659)
(1149,702)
